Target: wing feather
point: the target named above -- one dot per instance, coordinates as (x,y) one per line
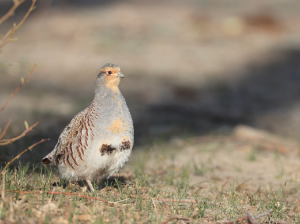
(69,144)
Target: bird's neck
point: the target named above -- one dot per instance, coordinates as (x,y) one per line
(105,92)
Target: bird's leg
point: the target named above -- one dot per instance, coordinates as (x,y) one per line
(83,189)
(90,185)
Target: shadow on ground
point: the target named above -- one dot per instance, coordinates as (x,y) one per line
(114,182)
(262,94)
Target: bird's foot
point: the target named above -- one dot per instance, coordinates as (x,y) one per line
(83,189)
(90,185)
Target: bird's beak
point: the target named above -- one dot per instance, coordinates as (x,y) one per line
(121,75)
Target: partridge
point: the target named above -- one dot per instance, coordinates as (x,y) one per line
(98,140)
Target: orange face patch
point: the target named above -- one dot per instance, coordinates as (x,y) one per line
(107,69)
(112,80)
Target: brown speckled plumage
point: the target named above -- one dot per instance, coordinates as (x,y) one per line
(98,140)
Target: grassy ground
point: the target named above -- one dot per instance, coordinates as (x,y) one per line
(192,69)
(219,179)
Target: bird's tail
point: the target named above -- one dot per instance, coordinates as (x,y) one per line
(48,160)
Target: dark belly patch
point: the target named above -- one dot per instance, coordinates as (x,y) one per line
(106,149)
(125,145)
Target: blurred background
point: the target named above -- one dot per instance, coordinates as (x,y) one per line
(192,68)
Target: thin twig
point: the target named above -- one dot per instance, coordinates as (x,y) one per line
(177,218)
(65,193)
(5,129)
(7,37)
(170,199)
(163,199)
(88,197)
(251,219)
(264,214)
(14,93)
(18,156)
(8,141)
(279,222)
(11,11)
(248,217)
(235,221)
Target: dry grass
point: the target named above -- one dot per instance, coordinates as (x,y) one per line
(157,186)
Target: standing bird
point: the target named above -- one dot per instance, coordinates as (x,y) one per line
(98,140)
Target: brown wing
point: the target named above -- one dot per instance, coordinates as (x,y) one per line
(69,148)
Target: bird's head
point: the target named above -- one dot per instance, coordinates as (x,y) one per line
(109,76)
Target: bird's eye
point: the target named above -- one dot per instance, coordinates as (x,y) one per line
(109,72)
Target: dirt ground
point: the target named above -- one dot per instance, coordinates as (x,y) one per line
(192,69)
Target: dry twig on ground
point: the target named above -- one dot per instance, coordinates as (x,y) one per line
(176,218)
(64,193)
(80,195)
(248,217)
(251,219)
(162,199)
